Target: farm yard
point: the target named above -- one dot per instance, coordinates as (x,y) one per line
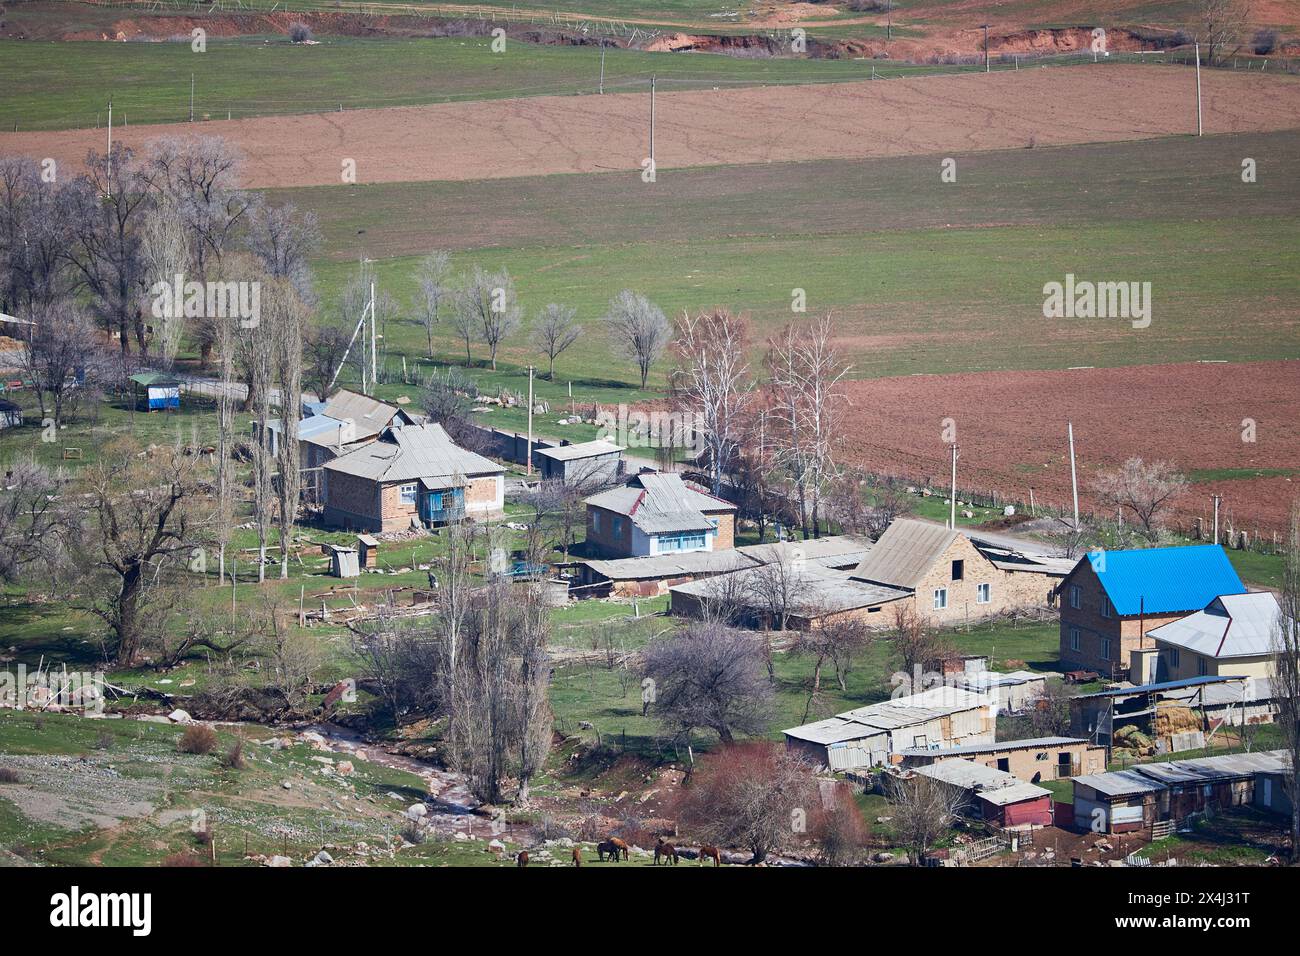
(393,592)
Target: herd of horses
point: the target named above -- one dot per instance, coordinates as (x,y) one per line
(613,848)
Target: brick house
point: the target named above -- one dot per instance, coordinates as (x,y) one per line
(952,579)
(656,513)
(1112,599)
(1031,759)
(411,473)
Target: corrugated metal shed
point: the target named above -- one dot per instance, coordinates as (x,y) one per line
(1027,743)
(1017,792)
(1119,783)
(904,553)
(576,452)
(1165,580)
(1162,686)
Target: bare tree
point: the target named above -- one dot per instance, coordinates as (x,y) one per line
(486,307)
(259,358)
(708,677)
(1285,670)
(712,382)
(34,234)
(398,663)
(361,286)
(840,830)
(757,795)
(449,401)
(923,809)
(916,643)
(148,517)
(284,242)
(807,408)
(554,331)
(1221,25)
(293,655)
(837,642)
(433,278)
(324,349)
(1145,491)
(779,590)
(287,316)
(165,251)
(638,329)
(37,525)
(63,356)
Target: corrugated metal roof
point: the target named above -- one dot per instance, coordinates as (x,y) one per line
(668,565)
(1153,688)
(412,452)
(967,774)
(661,503)
(1018,792)
(586,449)
(1027,743)
(369,415)
(1164,580)
(1234,625)
(904,553)
(1149,777)
(839,550)
(1119,783)
(811,589)
(890,715)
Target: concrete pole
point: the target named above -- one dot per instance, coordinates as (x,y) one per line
(1074,476)
(602,66)
(1216,519)
(528,457)
(652,119)
(952,499)
(374,369)
(1199,127)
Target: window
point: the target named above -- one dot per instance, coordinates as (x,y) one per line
(958,570)
(1173,657)
(408,494)
(680,542)
(920,742)
(1074,639)
(618,527)
(1202,666)
(1106,606)
(595,521)
(1076,596)
(940,598)
(1105,648)
(982,593)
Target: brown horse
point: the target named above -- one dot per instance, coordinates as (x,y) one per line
(577,856)
(666,850)
(620,846)
(710,852)
(607,848)
(522,858)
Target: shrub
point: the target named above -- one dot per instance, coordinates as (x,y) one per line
(104,741)
(1264,42)
(234,757)
(9,775)
(184,859)
(300,33)
(413,834)
(197,739)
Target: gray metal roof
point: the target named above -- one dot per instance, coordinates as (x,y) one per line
(1119,783)
(967,774)
(1017,792)
(811,588)
(835,551)
(586,449)
(661,503)
(669,565)
(1149,777)
(890,715)
(904,553)
(414,452)
(1027,743)
(1233,625)
(369,415)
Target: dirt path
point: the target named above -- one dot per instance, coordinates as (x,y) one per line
(577,134)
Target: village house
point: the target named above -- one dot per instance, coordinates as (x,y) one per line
(1233,636)
(368,416)
(412,474)
(990,794)
(871,736)
(1032,759)
(1112,599)
(588,464)
(657,513)
(950,578)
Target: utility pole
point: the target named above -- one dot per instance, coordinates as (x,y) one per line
(652,120)
(374,372)
(109,159)
(952,500)
(602,66)
(986,46)
(1199,128)
(191,97)
(1216,519)
(1074,476)
(528,459)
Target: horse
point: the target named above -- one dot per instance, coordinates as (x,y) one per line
(522,858)
(620,846)
(577,856)
(666,850)
(606,848)
(707,852)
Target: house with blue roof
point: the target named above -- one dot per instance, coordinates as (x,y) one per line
(1111,600)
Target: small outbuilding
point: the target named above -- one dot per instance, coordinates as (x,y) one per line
(11,414)
(587,464)
(156,391)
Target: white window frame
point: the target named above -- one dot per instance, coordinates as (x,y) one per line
(940,599)
(413,490)
(983,593)
(1076,639)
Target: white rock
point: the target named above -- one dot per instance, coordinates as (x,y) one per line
(279,861)
(416,811)
(179,716)
(344,767)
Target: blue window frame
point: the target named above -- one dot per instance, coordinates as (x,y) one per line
(680,542)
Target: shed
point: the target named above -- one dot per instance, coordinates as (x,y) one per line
(156,391)
(367,546)
(343,562)
(11,414)
(588,463)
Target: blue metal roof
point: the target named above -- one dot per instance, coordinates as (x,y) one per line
(1165,580)
(1163,685)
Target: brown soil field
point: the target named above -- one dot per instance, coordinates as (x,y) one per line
(575,134)
(1011,430)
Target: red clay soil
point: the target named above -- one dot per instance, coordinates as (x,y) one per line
(1011,427)
(573,134)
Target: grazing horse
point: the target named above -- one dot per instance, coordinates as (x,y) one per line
(707,852)
(620,846)
(577,856)
(607,848)
(666,850)
(522,858)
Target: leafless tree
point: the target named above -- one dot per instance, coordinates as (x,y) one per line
(294,656)
(840,830)
(837,642)
(708,677)
(1145,491)
(449,401)
(259,359)
(1071,540)
(553,332)
(38,525)
(165,251)
(324,348)
(916,643)
(1221,26)
(433,278)
(356,298)
(779,590)
(286,314)
(808,402)
(486,307)
(712,382)
(398,663)
(63,356)
(757,795)
(638,329)
(148,517)
(34,234)
(923,809)
(283,242)
(1285,670)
